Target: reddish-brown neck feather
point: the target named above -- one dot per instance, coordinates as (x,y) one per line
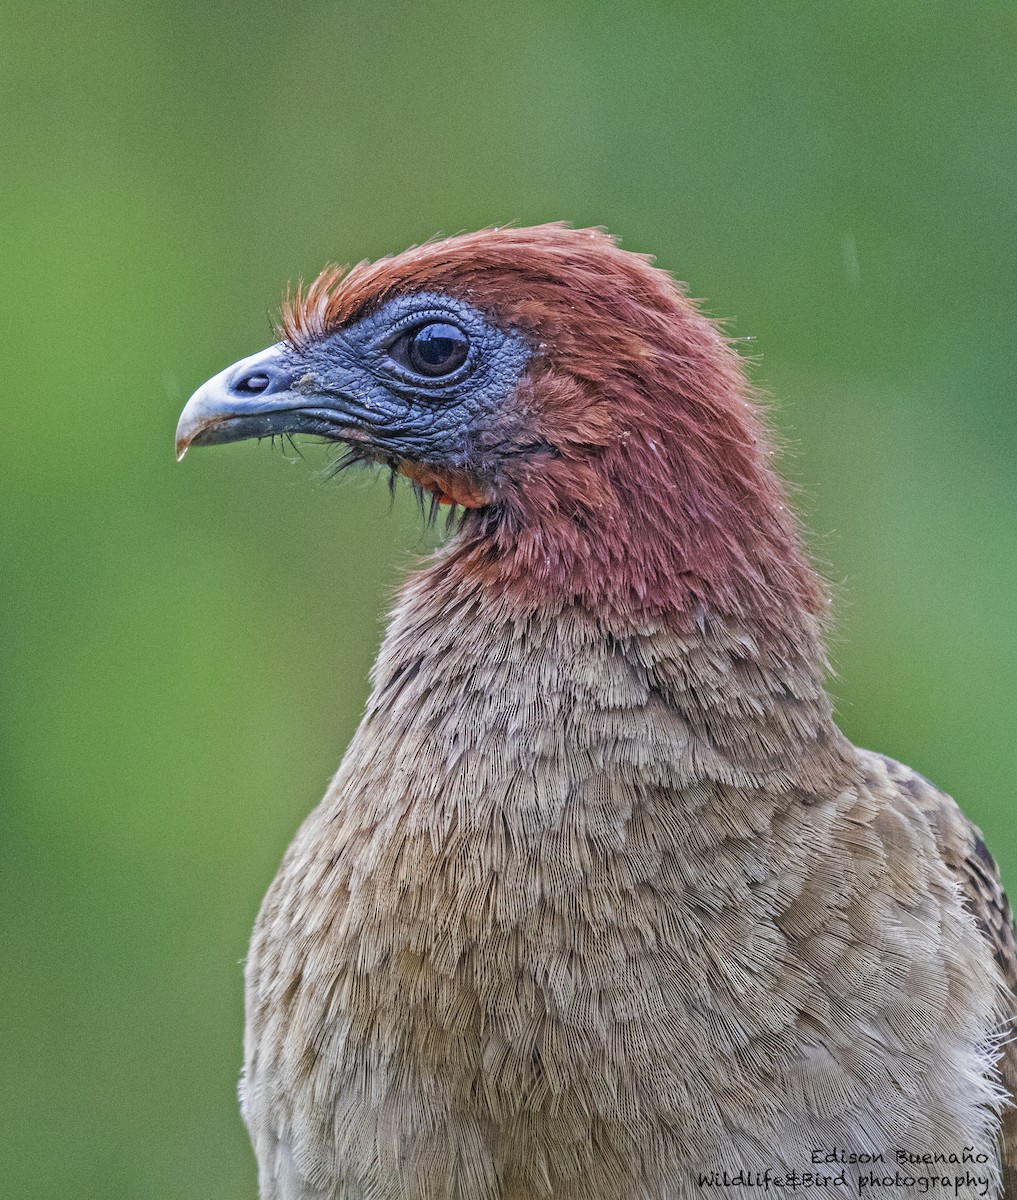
(635,472)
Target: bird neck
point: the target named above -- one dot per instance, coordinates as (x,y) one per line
(666,512)
(659,548)
(719,701)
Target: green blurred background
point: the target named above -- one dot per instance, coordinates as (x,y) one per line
(185,649)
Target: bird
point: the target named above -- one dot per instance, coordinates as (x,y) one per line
(601,904)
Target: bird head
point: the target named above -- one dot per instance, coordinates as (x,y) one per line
(594,427)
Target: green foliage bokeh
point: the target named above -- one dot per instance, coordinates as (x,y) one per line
(185,648)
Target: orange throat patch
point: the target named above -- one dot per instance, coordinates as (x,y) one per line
(450,487)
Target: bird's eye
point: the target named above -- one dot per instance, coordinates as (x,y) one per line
(434,349)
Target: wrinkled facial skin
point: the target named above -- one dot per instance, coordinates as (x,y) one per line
(431,420)
(356,385)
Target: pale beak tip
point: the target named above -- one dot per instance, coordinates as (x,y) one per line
(186,430)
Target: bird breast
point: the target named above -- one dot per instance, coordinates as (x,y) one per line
(548,927)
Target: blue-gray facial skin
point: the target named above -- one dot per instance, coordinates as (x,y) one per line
(424,379)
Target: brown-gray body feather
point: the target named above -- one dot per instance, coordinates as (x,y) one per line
(589,909)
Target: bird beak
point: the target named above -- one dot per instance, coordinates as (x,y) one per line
(255,397)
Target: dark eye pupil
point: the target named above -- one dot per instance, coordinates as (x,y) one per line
(437,349)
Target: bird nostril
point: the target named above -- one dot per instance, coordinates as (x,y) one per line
(252,385)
